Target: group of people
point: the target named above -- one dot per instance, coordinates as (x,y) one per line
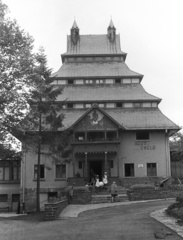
(103,185)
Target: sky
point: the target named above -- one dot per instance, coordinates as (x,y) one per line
(151,34)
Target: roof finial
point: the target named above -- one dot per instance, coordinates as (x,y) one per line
(111,31)
(74,32)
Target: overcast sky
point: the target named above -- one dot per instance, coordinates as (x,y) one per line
(151,33)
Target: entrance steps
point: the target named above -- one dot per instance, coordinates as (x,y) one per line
(104,196)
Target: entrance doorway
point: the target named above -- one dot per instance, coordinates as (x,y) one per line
(96,167)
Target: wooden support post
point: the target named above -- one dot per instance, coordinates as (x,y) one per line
(73,159)
(105,166)
(86,166)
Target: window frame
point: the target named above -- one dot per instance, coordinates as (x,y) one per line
(150,170)
(65,171)
(42,170)
(138,138)
(133,170)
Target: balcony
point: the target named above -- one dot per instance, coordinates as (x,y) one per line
(95,137)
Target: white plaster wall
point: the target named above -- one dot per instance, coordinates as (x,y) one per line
(30,160)
(132,153)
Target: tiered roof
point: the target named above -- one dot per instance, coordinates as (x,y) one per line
(106,46)
(109,92)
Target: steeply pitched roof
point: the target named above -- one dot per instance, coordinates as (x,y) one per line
(130,119)
(100,69)
(105,92)
(93,44)
(74,24)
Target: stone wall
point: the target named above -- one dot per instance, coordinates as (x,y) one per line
(147,194)
(53,210)
(81,195)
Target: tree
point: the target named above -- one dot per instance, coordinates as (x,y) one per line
(44,117)
(16,66)
(176,146)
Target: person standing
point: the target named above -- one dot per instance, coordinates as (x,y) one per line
(114,191)
(105,180)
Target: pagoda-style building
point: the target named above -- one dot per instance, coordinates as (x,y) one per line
(117,126)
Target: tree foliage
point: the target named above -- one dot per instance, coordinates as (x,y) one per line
(176,146)
(16,69)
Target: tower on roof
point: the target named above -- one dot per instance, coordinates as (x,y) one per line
(111,31)
(74,33)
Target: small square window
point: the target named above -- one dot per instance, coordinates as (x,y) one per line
(142,135)
(70,81)
(70,105)
(119,105)
(117,80)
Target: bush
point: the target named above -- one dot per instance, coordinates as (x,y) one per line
(179,198)
(141,186)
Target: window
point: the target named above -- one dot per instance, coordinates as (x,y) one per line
(110,105)
(147,104)
(128,105)
(137,105)
(151,169)
(129,170)
(154,104)
(111,136)
(109,81)
(79,105)
(127,80)
(70,105)
(117,80)
(3,197)
(60,170)
(10,170)
(96,136)
(89,81)
(101,105)
(78,81)
(70,81)
(80,136)
(119,105)
(88,105)
(41,171)
(99,81)
(142,135)
(80,164)
(135,80)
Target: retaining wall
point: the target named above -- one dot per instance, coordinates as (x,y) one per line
(53,210)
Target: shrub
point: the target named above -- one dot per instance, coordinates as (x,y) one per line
(141,186)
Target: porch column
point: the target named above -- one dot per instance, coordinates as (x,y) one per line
(86,165)
(73,162)
(118,164)
(105,164)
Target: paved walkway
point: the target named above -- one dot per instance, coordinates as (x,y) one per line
(74,210)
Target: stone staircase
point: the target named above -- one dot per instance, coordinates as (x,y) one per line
(104,196)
